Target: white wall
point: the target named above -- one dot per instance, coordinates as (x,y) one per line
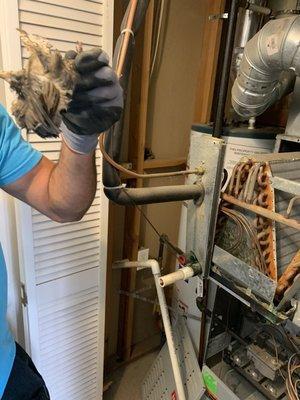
(170,114)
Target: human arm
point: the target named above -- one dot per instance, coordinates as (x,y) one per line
(62,191)
(65,191)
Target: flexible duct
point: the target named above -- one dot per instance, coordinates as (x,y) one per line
(268,68)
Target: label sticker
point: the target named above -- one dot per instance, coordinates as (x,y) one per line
(200,287)
(236,151)
(210,382)
(273,43)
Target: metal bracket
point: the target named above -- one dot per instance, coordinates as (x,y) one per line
(286,185)
(290,293)
(245,275)
(213,17)
(201,219)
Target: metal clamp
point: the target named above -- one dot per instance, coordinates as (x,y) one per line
(213,17)
(291,205)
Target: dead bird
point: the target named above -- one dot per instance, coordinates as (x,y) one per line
(44,86)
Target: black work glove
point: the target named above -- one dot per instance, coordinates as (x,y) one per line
(97,100)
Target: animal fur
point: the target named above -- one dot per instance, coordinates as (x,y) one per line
(43,87)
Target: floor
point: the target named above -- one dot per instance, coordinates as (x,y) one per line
(127,381)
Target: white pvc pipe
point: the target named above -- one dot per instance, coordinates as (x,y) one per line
(181,275)
(153,264)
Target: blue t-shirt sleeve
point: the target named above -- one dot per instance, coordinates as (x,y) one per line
(17,157)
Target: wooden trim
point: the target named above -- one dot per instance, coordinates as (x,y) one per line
(119,10)
(105,234)
(264,212)
(138,125)
(110,254)
(141,349)
(209,60)
(157,163)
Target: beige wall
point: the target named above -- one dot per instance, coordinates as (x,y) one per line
(171,107)
(173,85)
(170,114)
(171,104)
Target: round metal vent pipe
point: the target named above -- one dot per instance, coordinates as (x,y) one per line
(268,68)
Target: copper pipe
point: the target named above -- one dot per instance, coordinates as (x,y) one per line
(134,174)
(262,211)
(127,34)
(291,205)
(119,69)
(289,274)
(232,179)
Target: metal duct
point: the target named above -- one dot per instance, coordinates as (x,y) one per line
(248,24)
(268,68)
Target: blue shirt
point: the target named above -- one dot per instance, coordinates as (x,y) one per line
(17,158)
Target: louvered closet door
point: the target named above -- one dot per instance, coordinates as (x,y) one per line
(64,265)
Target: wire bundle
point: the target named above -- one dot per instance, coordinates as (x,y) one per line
(293,378)
(244,225)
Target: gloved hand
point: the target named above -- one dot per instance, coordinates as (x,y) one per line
(96,104)
(97,100)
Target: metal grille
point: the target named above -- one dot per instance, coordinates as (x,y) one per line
(159,383)
(287,239)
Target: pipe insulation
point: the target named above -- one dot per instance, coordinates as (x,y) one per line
(270,63)
(113,188)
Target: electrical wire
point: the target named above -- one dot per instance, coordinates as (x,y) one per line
(296,384)
(276,354)
(134,174)
(290,385)
(137,296)
(248,228)
(139,208)
(157,43)
(287,339)
(230,371)
(239,235)
(170,246)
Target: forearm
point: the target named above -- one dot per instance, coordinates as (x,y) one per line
(72,185)
(62,191)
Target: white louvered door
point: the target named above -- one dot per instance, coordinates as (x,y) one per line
(63,267)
